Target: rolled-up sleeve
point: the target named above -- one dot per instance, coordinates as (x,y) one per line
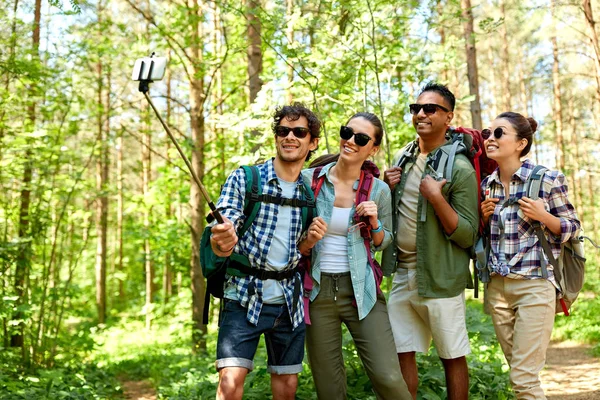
(231,201)
(463,199)
(384,213)
(561,207)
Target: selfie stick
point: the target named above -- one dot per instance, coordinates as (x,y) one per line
(144,87)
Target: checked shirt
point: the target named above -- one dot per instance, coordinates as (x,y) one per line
(522,250)
(256,242)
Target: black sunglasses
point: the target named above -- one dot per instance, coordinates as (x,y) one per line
(299,132)
(487,133)
(361,139)
(428,109)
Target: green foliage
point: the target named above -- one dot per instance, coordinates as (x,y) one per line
(126,350)
(71,380)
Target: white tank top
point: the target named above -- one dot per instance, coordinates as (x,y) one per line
(334,250)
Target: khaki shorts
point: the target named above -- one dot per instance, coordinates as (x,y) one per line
(415,319)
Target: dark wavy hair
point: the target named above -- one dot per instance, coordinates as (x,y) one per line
(525,128)
(293,112)
(442,90)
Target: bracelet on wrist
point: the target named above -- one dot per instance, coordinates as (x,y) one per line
(379,227)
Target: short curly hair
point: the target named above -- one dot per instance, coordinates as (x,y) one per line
(293,112)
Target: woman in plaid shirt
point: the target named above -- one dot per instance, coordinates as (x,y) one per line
(522,302)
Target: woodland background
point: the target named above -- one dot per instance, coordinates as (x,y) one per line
(99,223)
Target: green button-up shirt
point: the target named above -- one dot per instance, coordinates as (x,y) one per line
(442,260)
(363,281)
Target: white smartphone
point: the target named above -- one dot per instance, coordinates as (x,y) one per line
(149,69)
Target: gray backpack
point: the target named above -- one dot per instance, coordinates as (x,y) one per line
(569,268)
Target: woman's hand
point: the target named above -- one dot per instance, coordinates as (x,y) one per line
(314,233)
(487,209)
(533,209)
(368,209)
(536,210)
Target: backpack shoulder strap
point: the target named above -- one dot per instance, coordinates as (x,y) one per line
(252,198)
(457,141)
(317,181)
(532,190)
(363,193)
(407,154)
(309,210)
(534,182)
(365,184)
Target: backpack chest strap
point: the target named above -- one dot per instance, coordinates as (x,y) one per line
(282,201)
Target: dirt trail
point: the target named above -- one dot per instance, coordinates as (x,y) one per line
(571,372)
(138,390)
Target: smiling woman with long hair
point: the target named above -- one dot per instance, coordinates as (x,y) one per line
(521,297)
(345,279)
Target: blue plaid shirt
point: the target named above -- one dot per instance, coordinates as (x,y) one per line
(522,250)
(256,242)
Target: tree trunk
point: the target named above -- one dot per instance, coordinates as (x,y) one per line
(168,273)
(197,204)
(493,81)
(589,18)
(290,41)
(120,205)
(469,34)
(23,256)
(506,76)
(254,50)
(560,145)
(442,31)
(102,199)
(146,177)
(523,87)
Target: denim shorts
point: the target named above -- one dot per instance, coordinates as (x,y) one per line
(238,339)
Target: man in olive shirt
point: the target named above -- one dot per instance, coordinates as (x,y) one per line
(435,224)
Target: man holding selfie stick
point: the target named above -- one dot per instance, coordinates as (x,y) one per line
(273,307)
(269,301)
(435,225)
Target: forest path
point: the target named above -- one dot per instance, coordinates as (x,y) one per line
(571,372)
(138,390)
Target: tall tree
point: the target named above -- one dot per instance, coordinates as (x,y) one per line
(506,75)
(557,100)
(471,53)
(23,257)
(101,185)
(197,203)
(591,23)
(146,178)
(289,33)
(255,61)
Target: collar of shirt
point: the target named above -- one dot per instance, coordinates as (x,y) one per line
(522,173)
(327,172)
(271,176)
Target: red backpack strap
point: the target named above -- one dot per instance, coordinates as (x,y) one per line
(365,185)
(317,181)
(315,185)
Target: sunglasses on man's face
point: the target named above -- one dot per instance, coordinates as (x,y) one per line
(487,133)
(428,109)
(299,132)
(361,139)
